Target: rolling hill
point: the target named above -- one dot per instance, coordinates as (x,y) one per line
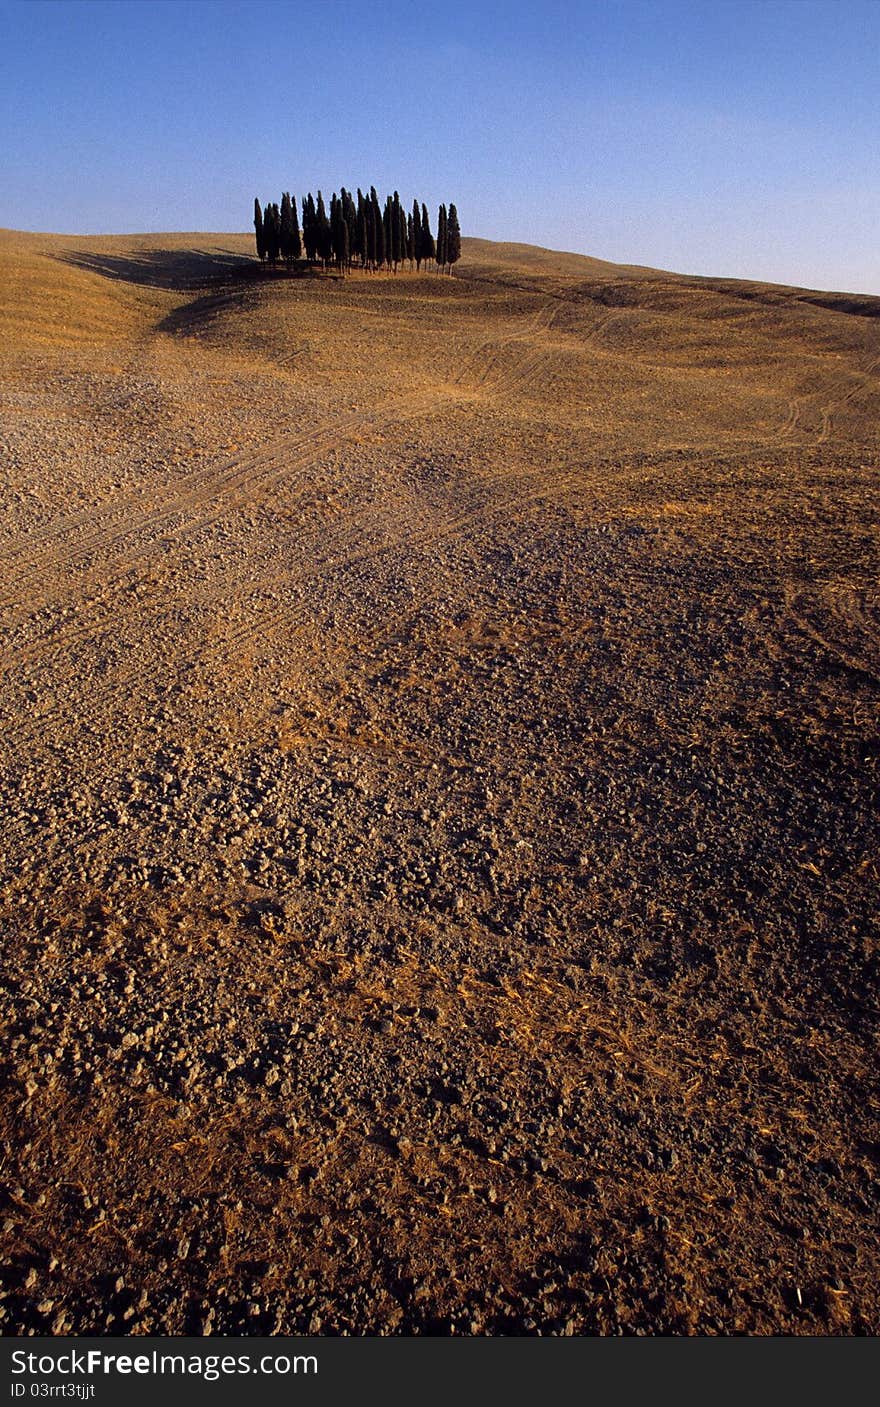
(438,870)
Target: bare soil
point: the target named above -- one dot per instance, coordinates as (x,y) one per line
(438,868)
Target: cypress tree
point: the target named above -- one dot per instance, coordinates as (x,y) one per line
(440,255)
(272,231)
(295,241)
(364,234)
(388,230)
(416,218)
(309,228)
(334,224)
(359,231)
(313,217)
(258,231)
(453,238)
(349,215)
(402,233)
(276,231)
(378,230)
(340,234)
(286,229)
(396,247)
(324,238)
(410,243)
(428,247)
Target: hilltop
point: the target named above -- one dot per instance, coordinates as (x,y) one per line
(439,860)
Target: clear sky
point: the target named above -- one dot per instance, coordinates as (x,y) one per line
(737,137)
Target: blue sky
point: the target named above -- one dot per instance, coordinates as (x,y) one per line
(737,137)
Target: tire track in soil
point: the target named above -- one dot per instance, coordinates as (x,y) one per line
(86,517)
(239,476)
(489,368)
(410,529)
(479,367)
(232,473)
(826,409)
(867,382)
(263,619)
(246,481)
(820,616)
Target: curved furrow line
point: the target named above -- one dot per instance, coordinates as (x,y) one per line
(252,489)
(828,406)
(235,474)
(521,374)
(123,557)
(177,493)
(479,365)
(420,529)
(800,610)
(237,477)
(49,535)
(789,425)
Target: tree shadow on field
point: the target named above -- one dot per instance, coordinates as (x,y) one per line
(177,269)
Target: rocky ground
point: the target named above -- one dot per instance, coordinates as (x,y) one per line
(439,848)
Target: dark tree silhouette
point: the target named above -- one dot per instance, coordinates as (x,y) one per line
(258,231)
(295,241)
(379,248)
(359,231)
(371,233)
(402,237)
(360,244)
(350,216)
(453,238)
(440,254)
(310,239)
(396,247)
(324,238)
(377,235)
(416,218)
(340,234)
(387,229)
(272,232)
(428,247)
(286,235)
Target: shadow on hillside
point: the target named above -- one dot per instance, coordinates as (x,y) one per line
(196,316)
(177,269)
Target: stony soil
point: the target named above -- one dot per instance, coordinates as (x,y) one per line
(439,855)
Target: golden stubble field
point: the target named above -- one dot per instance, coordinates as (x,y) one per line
(438,855)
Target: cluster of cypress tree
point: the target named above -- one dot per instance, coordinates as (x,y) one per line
(358,231)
